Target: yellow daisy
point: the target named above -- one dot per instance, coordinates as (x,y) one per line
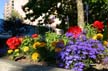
(16,50)
(25,48)
(10,51)
(54,44)
(99,36)
(95,37)
(42,44)
(35,56)
(36,44)
(105,43)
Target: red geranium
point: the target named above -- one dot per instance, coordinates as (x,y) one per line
(13,42)
(99,25)
(34,35)
(75,30)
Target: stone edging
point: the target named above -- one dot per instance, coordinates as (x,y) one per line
(6,65)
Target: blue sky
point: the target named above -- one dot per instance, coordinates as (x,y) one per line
(2,2)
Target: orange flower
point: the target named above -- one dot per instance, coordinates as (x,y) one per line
(58,49)
(42,44)
(54,44)
(36,44)
(21,39)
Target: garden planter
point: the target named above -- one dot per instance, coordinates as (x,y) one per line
(7,65)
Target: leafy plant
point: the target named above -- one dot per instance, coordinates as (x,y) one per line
(30,47)
(90,31)
(53,37)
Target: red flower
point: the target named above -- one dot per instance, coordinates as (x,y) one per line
(34,35)
(75,31)
(99,25)
(13,42)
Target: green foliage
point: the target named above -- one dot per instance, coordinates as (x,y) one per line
(90,31)
(67,8)
(97,10)
(105,33)
(28,41)
(53,37)
(15,14)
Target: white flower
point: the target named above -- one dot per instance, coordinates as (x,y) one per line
(43,14)
(47,13)
(26,8)
(27,12)
(39,18)
(42,21)
(31,18)
(52,16)
(58,5)
(31,11)
(57,21)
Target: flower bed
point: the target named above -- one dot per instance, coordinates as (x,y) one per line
(76,50)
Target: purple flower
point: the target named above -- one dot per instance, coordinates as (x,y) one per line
(60,45)
(93,56)
(78,66)
(84,53)
(80,52)
(61,65)
(69,34)
(105,60)
(70,43)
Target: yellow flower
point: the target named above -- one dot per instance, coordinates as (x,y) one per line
(99,36)
(58,49)
(94,37)
(54,44)
(42,44)
(16,50)
(10,51)
(25,48)
(17,54)
(36,44)
(105,43)
(35,56)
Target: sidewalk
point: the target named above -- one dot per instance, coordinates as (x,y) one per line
(6,65)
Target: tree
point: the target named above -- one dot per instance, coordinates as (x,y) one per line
(16,15)
(70,12)
(80,14)
(98,10)
(65,10)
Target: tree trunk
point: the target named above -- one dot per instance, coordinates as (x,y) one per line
(80,14)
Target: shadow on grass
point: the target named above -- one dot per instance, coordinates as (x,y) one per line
(42,68)
(93,69)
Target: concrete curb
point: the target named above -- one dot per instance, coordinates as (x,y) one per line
(6,65)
